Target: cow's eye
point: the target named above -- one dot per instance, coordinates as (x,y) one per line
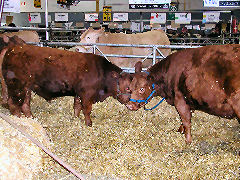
(88,37)
(142,90)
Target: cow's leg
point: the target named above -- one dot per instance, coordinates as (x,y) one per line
(4,90)
(87,108)
(86,102)
(16,94)
(14,108)
(235,103)
(185,114)
(3,84)
(26,103)
(77,106)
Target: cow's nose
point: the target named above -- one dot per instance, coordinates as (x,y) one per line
(77,50)
(130,106)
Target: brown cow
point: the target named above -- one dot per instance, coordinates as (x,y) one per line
(6,43)
(205,79)
(53,73)
(27,36)
(157,37)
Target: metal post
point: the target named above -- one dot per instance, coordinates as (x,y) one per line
(97,6)
(94,49)
(154,54)
(46,18)
(231,25)
(1,9)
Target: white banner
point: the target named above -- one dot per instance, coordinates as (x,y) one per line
(120,16)
(61,16)
(189,26)
(182,18)
(35,18)
(91,17)
(149,1)
(211,17)
(11,6)
(196,27)
(158,18)
(211,3)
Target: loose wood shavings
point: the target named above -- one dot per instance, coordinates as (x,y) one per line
(137,145)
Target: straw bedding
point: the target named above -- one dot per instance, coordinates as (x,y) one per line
(136,145)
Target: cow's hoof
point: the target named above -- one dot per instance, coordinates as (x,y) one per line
(29,116)
(89,124)
(181,129)
(5,105)
(188,139)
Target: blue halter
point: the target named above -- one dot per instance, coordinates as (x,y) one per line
(146,100)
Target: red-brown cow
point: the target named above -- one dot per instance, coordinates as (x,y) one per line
(52,73)
(5,44)
(205,79)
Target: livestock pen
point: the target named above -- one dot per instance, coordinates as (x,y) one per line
(124,144)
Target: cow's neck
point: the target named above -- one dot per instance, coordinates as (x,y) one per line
(159,85)
(110,88)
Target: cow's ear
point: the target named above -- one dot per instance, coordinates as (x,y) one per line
(114,74)
(138,66)
(5,38)
(150,78)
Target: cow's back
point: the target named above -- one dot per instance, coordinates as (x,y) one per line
(156,37)
(27,36)
(207,77)
(35,65)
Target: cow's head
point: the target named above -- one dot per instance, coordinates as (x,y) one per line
(123,87)
(118,84)
(141,89)
(6,41)
(89,36)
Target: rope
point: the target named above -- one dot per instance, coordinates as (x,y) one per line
(62,163)
(155,105)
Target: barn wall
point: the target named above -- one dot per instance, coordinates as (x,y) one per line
(85,6)
(76,13)
(22,18)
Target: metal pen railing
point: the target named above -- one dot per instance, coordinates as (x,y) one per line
(95,46)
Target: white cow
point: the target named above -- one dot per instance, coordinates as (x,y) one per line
(156,37)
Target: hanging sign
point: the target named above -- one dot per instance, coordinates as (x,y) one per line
(173,6)
(11,6)
(135,27)
(229,3)
(61,16)
(211,16)
(107,13)
(182,18)
(158,18)
(91,17)
(37,3)
(219,3)
(211,3)
(120,16)
(149,4)
(196,27)
(35,18)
